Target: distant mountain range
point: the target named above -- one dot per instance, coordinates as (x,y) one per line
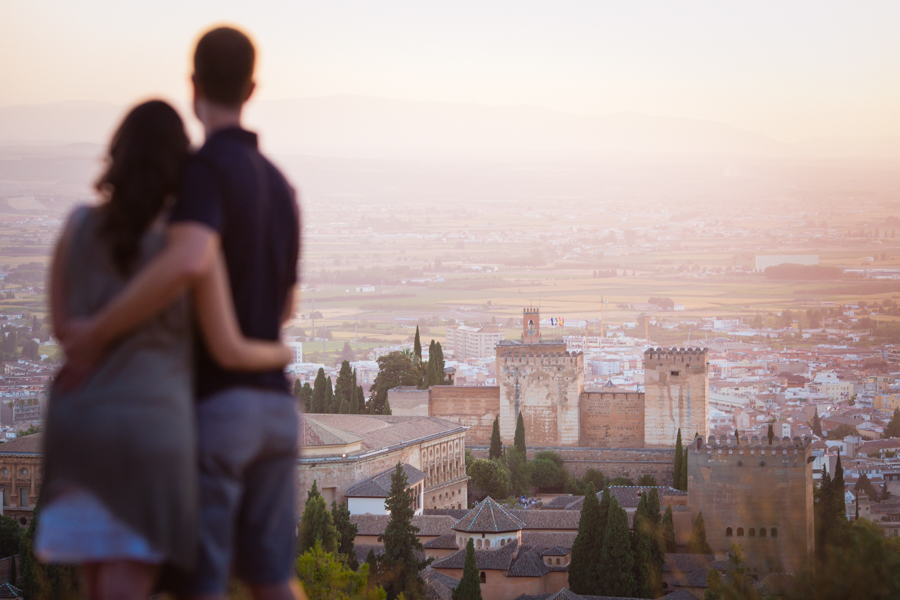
(366,127)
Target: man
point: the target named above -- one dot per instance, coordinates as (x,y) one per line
(234,199)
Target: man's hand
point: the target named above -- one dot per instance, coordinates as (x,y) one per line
(84,350)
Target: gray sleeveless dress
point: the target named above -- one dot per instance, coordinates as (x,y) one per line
(127,436)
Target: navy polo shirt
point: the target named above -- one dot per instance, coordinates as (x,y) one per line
(230,187)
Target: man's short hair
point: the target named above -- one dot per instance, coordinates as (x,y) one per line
(223,66)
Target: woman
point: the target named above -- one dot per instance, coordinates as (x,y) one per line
(120,471)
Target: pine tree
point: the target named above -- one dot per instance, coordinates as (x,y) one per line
(469,587)
(346,530)
(417,345)
(697,544)
(320,393)
(496,450)
(519,440)
(617,558)
(683,484)
(676,472)
(668,528)
(400,541)
(587,547)
(316,524)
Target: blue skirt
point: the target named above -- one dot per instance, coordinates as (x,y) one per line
(77,528)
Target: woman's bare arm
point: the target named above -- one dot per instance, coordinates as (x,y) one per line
(57,283)
(218,323)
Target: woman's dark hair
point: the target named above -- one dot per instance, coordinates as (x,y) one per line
(146,159)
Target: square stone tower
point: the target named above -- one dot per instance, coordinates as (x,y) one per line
(757,495)
(676,395)
(531,326)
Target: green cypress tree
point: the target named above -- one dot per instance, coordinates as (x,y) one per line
(838,491)
(439,364)
(469,587)
(354,401)
(320,393)
(316,524)
(770,434)
(617,558)
(825,514)
(306,396)
(331,404)
(668,529)
(400,541)
(586,549)
(386,409)
(417,345)
(817,424)
(676,472)
(653,507)
(519,440)
(346,530)
(683,484)
(430,370)
(361,400)
(297,391)
(496,450)
(697,544)
(642,548)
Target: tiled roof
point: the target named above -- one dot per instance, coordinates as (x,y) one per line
(497,559)
(29,444)
(528,563)
(379,486)
(548,539)
(382,431)
(561,502)
(8,590)
(456,513)
(629,496)
(438,586)
(697,578)
(362,551)
(489,517)
(547,519)
(567,594)
(686,563)
(429,525)
(556,551)
(313,433)
(444,542)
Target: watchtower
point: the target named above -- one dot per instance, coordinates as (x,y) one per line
(755,494)
(676,394)
(531,325)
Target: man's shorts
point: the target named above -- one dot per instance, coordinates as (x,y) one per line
(247,453)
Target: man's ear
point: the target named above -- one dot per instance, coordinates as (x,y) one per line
(250,89)
(198,89)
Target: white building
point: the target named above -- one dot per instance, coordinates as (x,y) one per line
(473,342)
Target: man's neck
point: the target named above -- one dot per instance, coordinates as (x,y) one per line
(216,118)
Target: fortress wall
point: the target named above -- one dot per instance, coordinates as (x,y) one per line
(613,462)
(676,390)
(755,485)
(474,407)
(612,419)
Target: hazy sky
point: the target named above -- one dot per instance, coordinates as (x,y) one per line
(791,70)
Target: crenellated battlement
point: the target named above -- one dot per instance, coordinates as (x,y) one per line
(784,452)
(677,354)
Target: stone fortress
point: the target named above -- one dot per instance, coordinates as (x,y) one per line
(545,383)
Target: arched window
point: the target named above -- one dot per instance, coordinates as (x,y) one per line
(728,532)
(752,532)
(502,542)
(557,561)
(762,532)
(478,543)
(483,577)
(740,532)
(774,532)
(487,543)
